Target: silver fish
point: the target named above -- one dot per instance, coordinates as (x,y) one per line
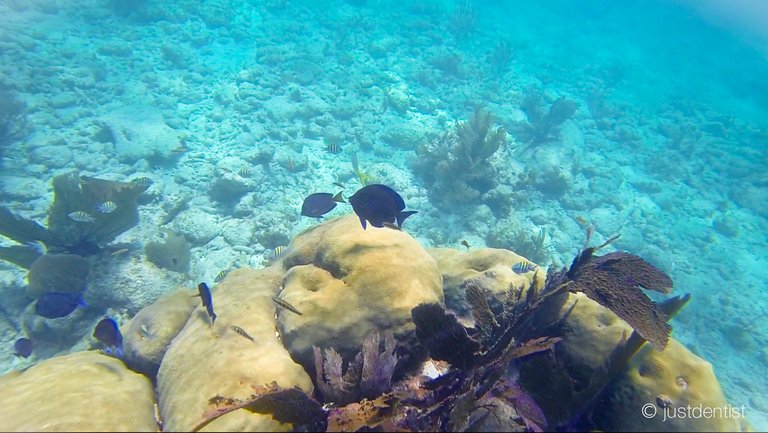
(81,216)
(107,207)
(242,332)
(286,305)
(523,267)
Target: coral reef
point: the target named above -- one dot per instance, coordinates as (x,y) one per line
(490,266)
(172,254)
(150,332)
(542,124)
(673,381)
(368,376)
(528,244)
(205,361)
(327,338)
(139,132)
(328,278)
(64,234)
(83,391)
(456,167)
(13,124)
(65,273)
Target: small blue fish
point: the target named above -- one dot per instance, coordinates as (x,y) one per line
(109,334)
(52,305)
(320,203)
(207,299)
(523,267)
(23,347)
(107,207)
(81,216)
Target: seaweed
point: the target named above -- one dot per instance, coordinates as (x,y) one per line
(614,281)
(367,376)
(543,124)
(291,405)
(480,356)
(456,166)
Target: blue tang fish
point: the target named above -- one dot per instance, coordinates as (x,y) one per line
(23,347)
(320,203)
(52,305)
(379,204)
(205,296)
(108,333)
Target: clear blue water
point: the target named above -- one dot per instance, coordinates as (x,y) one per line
(669,143)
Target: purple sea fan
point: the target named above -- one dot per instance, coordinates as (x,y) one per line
(525,406)
(378,367)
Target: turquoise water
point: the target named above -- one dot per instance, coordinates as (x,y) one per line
(668,144)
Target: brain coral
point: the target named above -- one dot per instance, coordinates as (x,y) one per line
(83,391)
(347,281)
(208,361)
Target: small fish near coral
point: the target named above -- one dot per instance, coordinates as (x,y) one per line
(241,332)
(108,333)
(220,276)
(523,267)
(53,305)
(320,203)
(333,148)
(279,252)
(286,305)
(81,217)
(23,347)
(107,207)
(379,204)
(207,299)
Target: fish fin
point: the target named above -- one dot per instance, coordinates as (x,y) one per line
(403,215)
(339,198)
(362,221)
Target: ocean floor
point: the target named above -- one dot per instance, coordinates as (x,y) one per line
(237,110)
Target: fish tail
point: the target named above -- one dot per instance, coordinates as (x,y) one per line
(401,216)
(338,197)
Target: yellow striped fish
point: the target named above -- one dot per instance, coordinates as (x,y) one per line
(279,252)
(107,207)
(142,181)
(523,267)
(220,276)
(81,216)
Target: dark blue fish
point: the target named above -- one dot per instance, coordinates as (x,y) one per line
(205,296)
(23,347)
(320,203)
(523,267)
(108,333)
(58,304)
(379,204)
